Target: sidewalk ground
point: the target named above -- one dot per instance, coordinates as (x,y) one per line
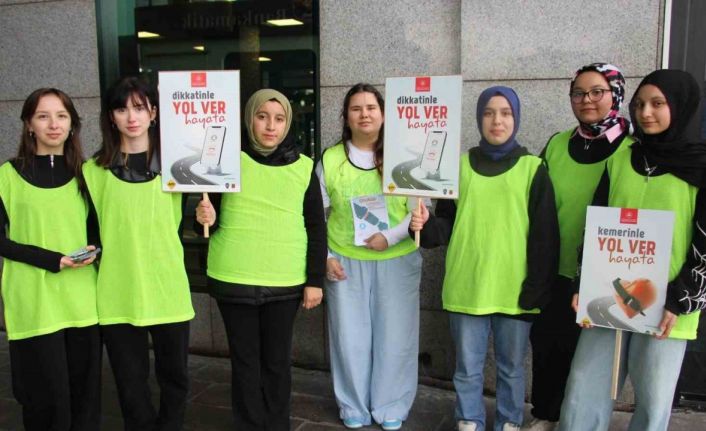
(313,405)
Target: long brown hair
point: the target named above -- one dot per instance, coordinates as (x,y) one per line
(347,134)
(73,156)
(140,92)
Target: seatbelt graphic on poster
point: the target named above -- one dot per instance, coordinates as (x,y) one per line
(625,268)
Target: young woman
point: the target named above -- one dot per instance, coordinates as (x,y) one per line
(664,171)
(576,160)
(50,299)
(372,290)
(268,251)
(501,261)
(142,284)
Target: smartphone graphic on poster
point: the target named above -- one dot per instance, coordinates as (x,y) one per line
(433,150)
(213,146)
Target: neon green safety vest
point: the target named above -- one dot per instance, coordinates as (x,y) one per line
(628,189)
(261,238)
(486,262)
(344,181)
(37,301)
(142,280)
(574,184)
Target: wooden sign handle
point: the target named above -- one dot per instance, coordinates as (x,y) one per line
(616,364)
(205,226)
(417,235)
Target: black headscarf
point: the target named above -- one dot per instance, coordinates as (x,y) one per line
(671,150)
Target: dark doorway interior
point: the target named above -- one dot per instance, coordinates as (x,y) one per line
(687,51)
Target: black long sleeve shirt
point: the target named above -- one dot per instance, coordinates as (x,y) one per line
(46,172)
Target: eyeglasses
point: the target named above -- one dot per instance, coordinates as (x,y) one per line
(594,95)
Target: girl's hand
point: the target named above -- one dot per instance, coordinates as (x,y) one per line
(575,306)
(312,297)
(334,270)
(669,319)
(67,262)
(376,242)
(205,213)
(420,215)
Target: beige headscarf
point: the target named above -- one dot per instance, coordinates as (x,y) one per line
(254,103)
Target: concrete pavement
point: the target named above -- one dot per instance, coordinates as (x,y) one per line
(313,405)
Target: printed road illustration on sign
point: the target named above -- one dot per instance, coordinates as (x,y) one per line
(422,136)
(200,131)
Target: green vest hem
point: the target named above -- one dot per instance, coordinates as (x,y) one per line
(145,322)
(481,311)
(402,248)
(257,281)
(686,331)
(50,329)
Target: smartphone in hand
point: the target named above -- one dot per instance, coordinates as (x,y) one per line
(83,254)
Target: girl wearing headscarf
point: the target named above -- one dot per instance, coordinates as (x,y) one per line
(502,258)
(576,160)
(664,170)
(143,290)
(267,252)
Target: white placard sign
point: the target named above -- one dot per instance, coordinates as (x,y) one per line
(422,136)
(200,130)
(625,268)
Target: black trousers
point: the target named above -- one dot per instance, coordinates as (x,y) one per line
(554,336)
(260,342)
(128,351)
(57,379)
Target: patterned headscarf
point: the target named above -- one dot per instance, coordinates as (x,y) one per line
(616,82)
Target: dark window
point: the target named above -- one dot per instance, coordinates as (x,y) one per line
(687,51)
(274,44)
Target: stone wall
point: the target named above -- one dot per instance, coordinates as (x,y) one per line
(533,47)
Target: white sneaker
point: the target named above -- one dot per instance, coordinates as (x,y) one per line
(467,426)
(537,424)
(508,426)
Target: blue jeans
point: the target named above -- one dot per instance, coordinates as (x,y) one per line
(511,337)
(373,326)
(653,366)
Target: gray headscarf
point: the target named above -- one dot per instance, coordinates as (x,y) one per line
(254,103)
